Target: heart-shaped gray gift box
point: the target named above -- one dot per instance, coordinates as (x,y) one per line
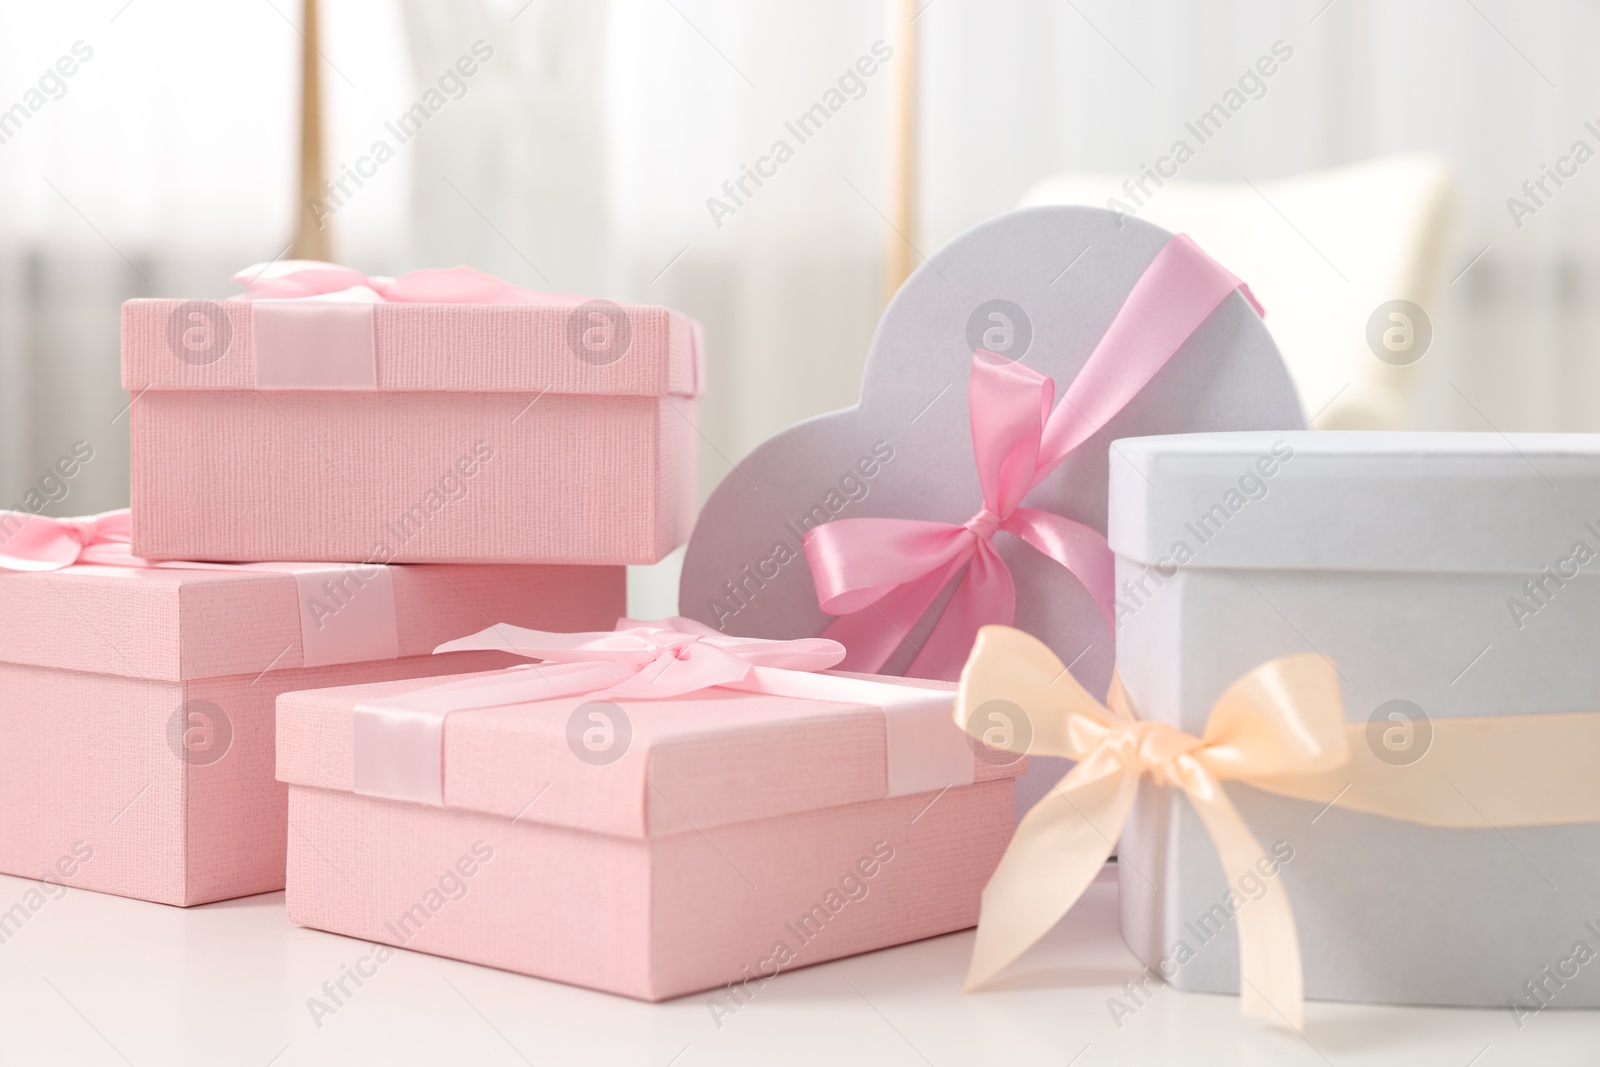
(1040,287)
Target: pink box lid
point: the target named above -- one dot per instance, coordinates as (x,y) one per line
(709,759)
(412,347)
(173,624)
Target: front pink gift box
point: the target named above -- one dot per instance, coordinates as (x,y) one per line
(647,847)
(136,705)
(442,417)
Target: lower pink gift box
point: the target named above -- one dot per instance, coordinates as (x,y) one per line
(136,704)
(652,848)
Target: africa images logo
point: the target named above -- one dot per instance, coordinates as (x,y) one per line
(199,733)
(199,332)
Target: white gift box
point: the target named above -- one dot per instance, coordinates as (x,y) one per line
(1444,575)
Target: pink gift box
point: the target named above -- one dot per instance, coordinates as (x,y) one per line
(552,432)
(735,836)
(136,708)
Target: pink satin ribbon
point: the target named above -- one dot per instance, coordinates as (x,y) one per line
(313,326)
(642,660)
(880,575)
(313,323)
(40,543)
(399,741)
(311,279)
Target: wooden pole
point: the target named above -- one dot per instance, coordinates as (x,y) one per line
(312,239)
(900,255)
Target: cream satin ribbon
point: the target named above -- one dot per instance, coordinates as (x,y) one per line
(1283,717)
(1498,770)
(1279,728)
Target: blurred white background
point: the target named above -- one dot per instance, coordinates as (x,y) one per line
(581,156)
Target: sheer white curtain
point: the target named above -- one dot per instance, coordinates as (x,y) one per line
(609,128)
(682,96)
(582,154)
(161,165)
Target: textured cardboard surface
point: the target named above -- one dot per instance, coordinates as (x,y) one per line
(109,663)
(1068,270)
(1358,500)
(654,918)
(493,436)
(90,761)
(378,477)
(1387,911)
(463,348)
(174,624)
(707,759)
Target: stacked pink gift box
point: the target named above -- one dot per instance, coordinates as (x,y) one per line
(361,635)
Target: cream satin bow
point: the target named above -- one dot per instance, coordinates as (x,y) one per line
(1284,718)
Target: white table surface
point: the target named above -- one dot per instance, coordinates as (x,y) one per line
(94,979)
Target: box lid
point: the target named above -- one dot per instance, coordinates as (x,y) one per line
(1355,500)
(173,624)
(566,345)
(708,759)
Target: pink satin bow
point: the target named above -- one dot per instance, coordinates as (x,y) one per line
(304,278)
(638,660)
(399,741)
(40,543)
(881,575)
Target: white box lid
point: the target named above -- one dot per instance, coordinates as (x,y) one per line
(1389,500)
